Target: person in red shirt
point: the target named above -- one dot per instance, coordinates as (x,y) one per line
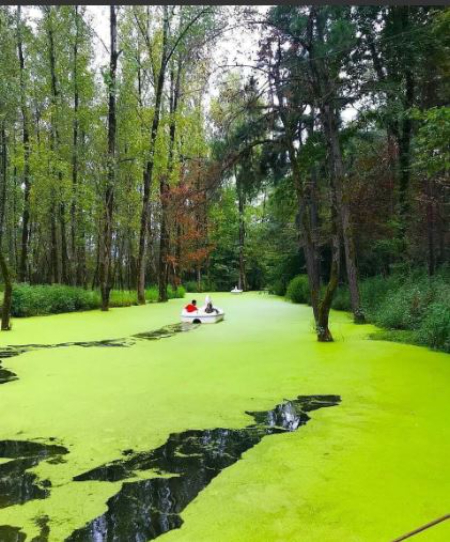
(192,307)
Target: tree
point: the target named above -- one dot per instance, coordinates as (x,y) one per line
(107,223)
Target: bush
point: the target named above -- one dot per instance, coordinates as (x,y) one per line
(298,289)
(33,300)
(435,328)
(53,299)
(341,299)
(277,288)
(193,287)
(151,294)
(176,293)
(411,307)
(122,298)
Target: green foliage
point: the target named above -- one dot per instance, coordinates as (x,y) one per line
(298,289)
(341,299)
(39,300)
(176,293)
(412,308)
(33,300)
(435,327)
(192,286)
(122,298)
(278,287)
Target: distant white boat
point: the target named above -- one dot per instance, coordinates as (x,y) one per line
(202,317)
(236,290)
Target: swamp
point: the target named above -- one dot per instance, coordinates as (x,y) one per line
(224,273)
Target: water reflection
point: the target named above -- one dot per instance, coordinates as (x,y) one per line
(17,485)
(15,534)
(143,510)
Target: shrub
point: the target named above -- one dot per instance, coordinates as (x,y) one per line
(341,299)
(277,288)
(122,298)
(151,294)
(298,289)
(176,293)
(34,300)
(192,286)
(53,299)
(435,328)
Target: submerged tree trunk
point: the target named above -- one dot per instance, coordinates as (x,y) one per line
(23,264)
(337,172)
(323,330)
(105,254)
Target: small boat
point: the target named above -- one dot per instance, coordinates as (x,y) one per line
(236,290)
(202,317)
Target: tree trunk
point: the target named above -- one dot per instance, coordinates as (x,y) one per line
(430,227)
(165,190)
(55,146)
(148,173)
(241,209)
(73,207)
(23,264)
(106,245)
(404,154)
(338,176)
(4,269)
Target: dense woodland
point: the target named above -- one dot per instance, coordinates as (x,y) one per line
(328,157)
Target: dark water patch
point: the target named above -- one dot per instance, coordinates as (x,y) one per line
(42,523)
(11,534)
(6,376)
(145,509)
(161,333)
(17,485)
(14,534)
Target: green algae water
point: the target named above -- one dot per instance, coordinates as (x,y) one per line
(370,469)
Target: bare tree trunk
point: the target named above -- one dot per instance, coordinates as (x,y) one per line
(23,264)
(106,244)
(148,173)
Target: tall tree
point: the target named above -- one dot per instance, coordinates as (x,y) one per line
(23,265)
(108,209)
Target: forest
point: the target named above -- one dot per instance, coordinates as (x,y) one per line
(138,167)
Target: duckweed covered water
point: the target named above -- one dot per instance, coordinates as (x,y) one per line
(368,470)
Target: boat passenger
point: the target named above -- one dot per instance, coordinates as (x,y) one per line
(191,307)
(210,309)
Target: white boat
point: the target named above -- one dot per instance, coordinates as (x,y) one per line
(236,290)
(202,317)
